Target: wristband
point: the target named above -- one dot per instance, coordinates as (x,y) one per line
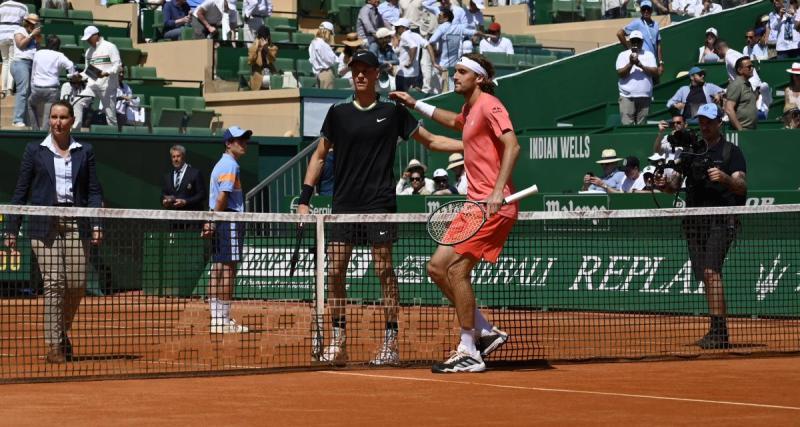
(425,108)
(305,195)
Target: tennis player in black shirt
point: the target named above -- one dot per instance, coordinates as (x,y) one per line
(363,130)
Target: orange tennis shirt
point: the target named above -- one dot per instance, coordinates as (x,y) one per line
(483,123)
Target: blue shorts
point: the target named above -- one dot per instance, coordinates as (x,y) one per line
(228,242)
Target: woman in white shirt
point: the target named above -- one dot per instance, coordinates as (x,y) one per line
(321,55)
(11,15)
(26,40)
(707,50)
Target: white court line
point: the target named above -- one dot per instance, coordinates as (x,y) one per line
(559,390)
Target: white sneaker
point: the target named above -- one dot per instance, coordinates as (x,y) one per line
(18,125)
(229,328)
(335,352)
(460,360)
(387,355)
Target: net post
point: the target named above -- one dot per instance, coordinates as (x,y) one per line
(319,286)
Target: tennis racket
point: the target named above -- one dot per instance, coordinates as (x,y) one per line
(296,252)
(457,221)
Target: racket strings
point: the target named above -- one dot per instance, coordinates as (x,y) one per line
(455,222)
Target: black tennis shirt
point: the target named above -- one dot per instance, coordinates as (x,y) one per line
(364,146)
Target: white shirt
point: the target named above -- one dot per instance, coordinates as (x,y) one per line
(104,56)
(177,175)
(130,109)
(29,50)
(403,186)
(461,186)
(503,45)
(731,56)
(342,67)
(47,67)
(781,44)
(63,169)
(408,42)
(756,52)
(257,8)
(637,84)
(213,10)
(474,20)
(411,10)
(629,185)
(11,15)
(321,55)
(697,9)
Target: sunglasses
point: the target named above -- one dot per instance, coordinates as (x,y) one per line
(416,178)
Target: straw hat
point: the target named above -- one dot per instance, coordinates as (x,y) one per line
(352,40)
(609,155)
(795,68)
(32,18)
(455,160)
(414,163)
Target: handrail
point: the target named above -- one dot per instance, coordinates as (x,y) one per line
(274,175)
(266,196)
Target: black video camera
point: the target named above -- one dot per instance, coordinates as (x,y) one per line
(693,161)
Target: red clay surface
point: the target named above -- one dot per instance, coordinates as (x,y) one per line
(751,392)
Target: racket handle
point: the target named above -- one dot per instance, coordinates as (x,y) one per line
(533,189)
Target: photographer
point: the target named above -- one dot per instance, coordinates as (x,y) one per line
(715,174)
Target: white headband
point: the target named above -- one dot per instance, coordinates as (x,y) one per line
(474,66)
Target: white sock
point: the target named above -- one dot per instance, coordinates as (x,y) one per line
(226,310)
(338,333)
(481,324)
(216,311)
(468,340)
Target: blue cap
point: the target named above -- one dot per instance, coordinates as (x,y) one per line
(710,111)
(696,70)
(646,3)
(236,132)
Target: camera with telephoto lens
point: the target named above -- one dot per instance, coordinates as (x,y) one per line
(693,161)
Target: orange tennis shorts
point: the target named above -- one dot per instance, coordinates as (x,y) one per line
(489,241)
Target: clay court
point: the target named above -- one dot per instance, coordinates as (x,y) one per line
(760,391)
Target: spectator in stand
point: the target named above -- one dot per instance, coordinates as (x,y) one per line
(129,113)
(102,69)
(12,14)
(706,8)
(755,48)
(731,56)
(474,15)
(47,66)
(26,40)
(689,99)
(351,43)
(261,57)
(456,163)
(615,9)
(411,10)
(633,180)
(74,91)
(684,7)
(445,47)
(648,29)
(369,20)
(183,188)
(740,105)
(254,12)
(495,42)
(661,146)
(322,57)
(636,69)
(389,12)
(207,18)
(773,25)
(787,44)
(408,50)
(417,186)
(384,51)
(441,184)
(612,175)
(414,167)
(707,53)
(764,100)
(791,118)
(177,15)
(792,92)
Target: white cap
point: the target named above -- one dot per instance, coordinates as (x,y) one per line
(636,34)
(479,4)
(712,30)
(416,163)
(89,31)
(402,22)
(656,157)
(383,32)
(649,169)
(327,25)
(439,173)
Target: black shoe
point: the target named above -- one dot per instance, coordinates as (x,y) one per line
(713,341)
(66,347)
(460,361)
(489,343)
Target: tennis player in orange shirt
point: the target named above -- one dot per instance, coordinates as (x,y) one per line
(490,153)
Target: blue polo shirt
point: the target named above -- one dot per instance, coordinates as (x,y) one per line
(650,32)
(225,177)
(447,38)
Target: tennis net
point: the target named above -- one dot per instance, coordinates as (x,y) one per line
(587,285)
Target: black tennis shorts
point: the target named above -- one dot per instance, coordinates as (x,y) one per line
(708,239)
(360,234)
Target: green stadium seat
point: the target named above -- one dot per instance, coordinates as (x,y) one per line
(49,14)
(189,103)
(136,130)
(498,58)
(567,10)
(304,67)
(104,129)
(157,130)
(200,118)
(284,64)
(143,73)
(121,42)
(520,59)
(74,53)
(302,38)
(592,10)
(281,23)
(187,33)
(84,16)
(280,37)
(198,131)
(67,39)
(276,82)
(163,112)
(342,84)
(157,27)
(243,71)
(308,82)
(130,57)
(541,60)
